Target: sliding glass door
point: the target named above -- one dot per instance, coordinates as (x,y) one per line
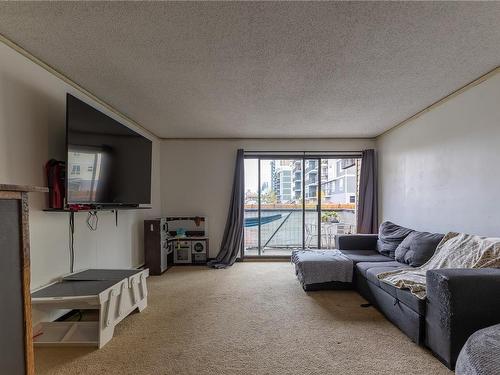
(297,202)
(273,206)
(339,196)
(311,204)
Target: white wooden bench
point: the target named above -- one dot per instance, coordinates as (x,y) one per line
(115,293)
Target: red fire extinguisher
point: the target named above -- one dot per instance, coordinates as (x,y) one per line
(55,170)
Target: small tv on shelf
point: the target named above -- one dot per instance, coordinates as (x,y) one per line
(108,164)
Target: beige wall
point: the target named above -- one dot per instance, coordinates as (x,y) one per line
(441,171)
(196,175)
(32,130)
(438,172)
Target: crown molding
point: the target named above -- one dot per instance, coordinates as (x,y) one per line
(443,100)
(270,139)
(73,84)
(113,110)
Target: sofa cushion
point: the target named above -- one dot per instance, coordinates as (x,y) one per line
(389,237)
(372,272)
(365,256)
(417,248)
(399,295)
(362,267)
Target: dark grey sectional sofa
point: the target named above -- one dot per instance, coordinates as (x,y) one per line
(459,301)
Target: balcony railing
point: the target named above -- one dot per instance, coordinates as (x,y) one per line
(282,224)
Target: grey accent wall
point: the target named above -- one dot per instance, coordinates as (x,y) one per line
(441,171)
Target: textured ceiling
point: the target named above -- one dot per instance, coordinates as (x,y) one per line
(262,69)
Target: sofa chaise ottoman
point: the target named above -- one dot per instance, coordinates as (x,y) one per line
(322,269)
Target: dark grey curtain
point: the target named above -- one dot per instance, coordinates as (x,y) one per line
(367,220)
(233,234)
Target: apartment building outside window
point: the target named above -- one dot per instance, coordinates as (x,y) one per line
(289,202)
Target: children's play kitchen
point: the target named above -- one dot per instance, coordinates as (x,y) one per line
(175,240)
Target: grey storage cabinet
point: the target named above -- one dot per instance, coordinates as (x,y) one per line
(16,338)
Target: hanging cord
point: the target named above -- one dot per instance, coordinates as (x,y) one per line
(72,242)
(92,220)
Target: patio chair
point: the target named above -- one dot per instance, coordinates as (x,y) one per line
(312,233)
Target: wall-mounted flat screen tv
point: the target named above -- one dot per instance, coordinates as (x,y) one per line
(107,162)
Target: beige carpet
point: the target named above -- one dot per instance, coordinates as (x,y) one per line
(253,318)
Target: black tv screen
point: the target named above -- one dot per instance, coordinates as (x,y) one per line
(107,162)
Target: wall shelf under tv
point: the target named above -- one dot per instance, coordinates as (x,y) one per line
(96,209)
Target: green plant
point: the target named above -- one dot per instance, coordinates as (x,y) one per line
(329,216)
(269,197)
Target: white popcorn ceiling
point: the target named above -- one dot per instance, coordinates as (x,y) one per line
(262,69)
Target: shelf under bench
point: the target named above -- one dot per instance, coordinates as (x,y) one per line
(114,293)
(67,334)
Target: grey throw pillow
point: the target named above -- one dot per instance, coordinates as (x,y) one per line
(417,248)
(390,235)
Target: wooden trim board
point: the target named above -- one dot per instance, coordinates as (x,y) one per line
(26,281)
(10,195)
(19,194)
(23,188)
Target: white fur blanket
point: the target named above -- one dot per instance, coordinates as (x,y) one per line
(456,250)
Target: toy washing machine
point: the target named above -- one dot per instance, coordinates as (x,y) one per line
(199,250)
